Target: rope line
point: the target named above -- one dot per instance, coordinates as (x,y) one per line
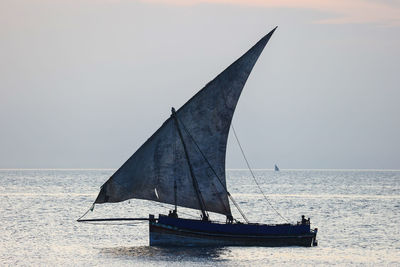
(252,174)
(215,173)
(90,209)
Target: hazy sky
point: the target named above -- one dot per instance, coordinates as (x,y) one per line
(84,83)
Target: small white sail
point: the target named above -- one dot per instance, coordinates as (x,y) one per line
(155,192)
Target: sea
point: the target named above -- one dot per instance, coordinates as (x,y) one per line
(357,213)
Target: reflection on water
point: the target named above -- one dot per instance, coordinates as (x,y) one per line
(168,253)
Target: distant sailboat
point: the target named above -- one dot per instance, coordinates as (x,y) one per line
(183,164)
(276,168)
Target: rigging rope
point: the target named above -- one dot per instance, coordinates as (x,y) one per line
(90,209)
(215,173)
(252,174)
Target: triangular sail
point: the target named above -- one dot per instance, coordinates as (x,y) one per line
(151,172)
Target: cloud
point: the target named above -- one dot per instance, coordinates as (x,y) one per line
(344,11)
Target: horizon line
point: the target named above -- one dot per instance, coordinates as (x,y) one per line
(228,169)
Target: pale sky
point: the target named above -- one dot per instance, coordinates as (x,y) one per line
(84,83)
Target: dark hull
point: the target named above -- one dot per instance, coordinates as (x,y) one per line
(183,232)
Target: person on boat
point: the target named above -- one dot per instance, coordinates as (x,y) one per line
(173,213)
(229,219)
(303,220)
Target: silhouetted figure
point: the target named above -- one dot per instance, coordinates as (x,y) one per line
(229,219)
(173,213)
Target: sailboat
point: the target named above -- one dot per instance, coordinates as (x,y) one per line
(276,168)
(183,164)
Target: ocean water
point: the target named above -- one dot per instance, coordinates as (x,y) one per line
(357,213)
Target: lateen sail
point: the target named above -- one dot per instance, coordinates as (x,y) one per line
(204,121)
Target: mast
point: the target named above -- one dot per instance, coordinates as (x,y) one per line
(175,197)
(194,180)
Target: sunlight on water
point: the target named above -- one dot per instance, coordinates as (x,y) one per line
(357,213)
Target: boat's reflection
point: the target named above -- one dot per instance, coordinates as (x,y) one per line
(168,253)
